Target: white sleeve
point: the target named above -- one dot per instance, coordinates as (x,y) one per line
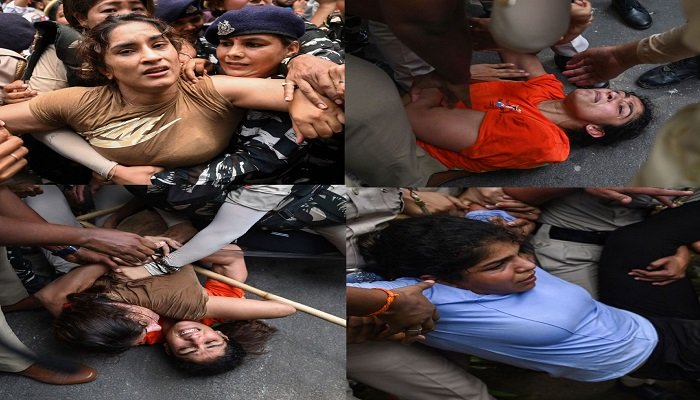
(230,223)
(70,145)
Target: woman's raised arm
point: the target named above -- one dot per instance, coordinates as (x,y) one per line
(242,309)
(255,93)
(71,145)
(310,120)
(54,295)
(19,119)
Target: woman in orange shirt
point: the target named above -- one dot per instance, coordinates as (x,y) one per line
(519,125)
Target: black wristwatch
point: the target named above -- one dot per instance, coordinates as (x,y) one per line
(66,251)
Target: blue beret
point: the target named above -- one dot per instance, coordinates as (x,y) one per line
(16,33)
(172,10)
(255,19)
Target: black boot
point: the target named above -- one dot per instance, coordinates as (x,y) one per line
(633,13)
(648,391)
(670,74)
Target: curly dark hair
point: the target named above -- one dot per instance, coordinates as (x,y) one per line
(94,323)
(93,48)
(613,134)
(439,245)
(71,8)
(244,337)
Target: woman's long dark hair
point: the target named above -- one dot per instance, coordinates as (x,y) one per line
(439,245)
(94,323)
(244,337)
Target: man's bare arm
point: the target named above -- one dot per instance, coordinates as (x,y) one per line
(436,30)
(529,62)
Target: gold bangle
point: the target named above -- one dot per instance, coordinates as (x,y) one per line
(111,173)
(419,202)
(389,299)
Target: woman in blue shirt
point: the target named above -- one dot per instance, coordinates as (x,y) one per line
(498,305)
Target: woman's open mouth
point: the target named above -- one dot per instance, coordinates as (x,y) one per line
(156,71)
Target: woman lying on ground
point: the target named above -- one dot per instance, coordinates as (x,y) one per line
(112,313)
(488,295)
(519,125)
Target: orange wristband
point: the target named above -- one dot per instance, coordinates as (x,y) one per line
(389,299)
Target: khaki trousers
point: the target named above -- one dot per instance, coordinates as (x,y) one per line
(11,291)
(413,372)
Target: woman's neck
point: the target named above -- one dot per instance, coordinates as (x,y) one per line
(555,111)
(141,98)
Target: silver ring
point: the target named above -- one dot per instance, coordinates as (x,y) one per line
(419,330)
(14,156)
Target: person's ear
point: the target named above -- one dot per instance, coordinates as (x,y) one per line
(293,48)
(437,280)
(595,131)
(82,20)
(107,73)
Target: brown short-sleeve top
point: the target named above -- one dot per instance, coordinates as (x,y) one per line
(178,295)
(191,128)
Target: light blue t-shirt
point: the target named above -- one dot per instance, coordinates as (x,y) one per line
(555,327)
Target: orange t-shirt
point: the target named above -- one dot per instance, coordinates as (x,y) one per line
(514,134)
(213,288)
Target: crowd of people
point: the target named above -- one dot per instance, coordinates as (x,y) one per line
(223,123)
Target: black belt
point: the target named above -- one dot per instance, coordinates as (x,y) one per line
(573,235)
